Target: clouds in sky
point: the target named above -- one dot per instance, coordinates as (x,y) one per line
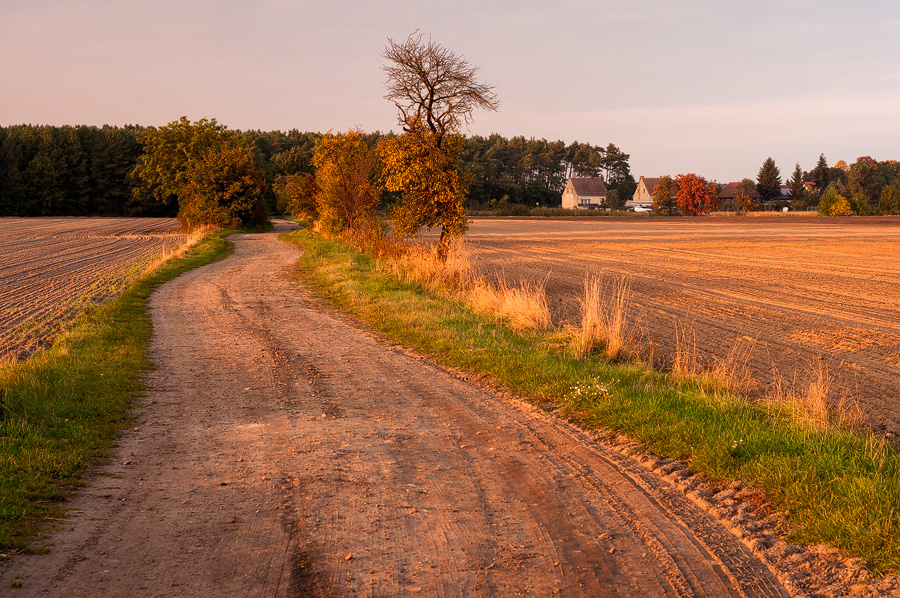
(707,86)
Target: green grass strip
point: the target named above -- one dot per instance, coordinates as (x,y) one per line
(837,486)
(62,409)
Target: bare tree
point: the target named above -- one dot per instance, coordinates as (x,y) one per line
(433,87)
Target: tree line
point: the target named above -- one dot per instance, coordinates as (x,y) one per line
(90,171)
(865,187)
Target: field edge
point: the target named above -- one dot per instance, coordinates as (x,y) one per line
(62,408)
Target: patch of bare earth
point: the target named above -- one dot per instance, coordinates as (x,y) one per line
(793,290)
(52,268)
(284,451)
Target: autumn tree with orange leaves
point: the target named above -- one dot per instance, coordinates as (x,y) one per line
(695,196)
(435,92)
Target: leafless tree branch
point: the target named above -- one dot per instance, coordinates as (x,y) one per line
(432,86)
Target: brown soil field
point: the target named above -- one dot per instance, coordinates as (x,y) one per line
(793,290)
(52,268)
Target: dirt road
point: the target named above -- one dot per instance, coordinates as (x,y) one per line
(284,451)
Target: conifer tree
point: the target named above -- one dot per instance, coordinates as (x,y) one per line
(768,181)
(820,174)
(798,188)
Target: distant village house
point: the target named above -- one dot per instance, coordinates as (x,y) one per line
(728,194)
(584,193)
(643,195)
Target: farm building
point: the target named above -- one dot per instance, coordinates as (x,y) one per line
(643,195)
(729,192)
(584,193)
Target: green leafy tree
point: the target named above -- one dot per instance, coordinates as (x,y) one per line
(612,199)
(297,195)
(172,151)
(864,177)
(435,92)
(433,188)
(664,196)
(743,195)
(832,203)
(859,203)
(768,181)
(615,163)
(225,190)
(890,198)
(180,159)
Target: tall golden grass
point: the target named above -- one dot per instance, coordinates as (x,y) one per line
(523,306)
(728,372)
(809,403)
(604,310)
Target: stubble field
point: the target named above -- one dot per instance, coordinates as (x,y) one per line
(795,295)
(52,268)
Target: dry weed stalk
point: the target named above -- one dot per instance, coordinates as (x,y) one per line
(809,405)
(603,317)
(728,372)
(686,363)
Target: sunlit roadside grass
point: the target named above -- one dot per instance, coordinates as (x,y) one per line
(834,484)
(61,409)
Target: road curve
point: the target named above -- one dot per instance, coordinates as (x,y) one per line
(284,451)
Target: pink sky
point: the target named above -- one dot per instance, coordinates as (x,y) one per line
(695,86)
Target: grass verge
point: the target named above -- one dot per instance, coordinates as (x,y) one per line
(62,409)
(835,485)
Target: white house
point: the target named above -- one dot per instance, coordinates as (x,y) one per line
(643,195)
(584,193)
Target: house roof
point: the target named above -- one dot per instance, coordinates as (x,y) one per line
(588,186)
(651,182)
(729,191)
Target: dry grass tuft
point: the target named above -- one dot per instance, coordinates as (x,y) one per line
(686,362)
(524,306)
(604,310)
(419,264)
(371,236)
(728,373)
(809,404)
(193,238)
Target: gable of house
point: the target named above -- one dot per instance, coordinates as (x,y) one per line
(583,191)
(643,195)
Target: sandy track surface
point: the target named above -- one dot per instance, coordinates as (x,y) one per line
(51,268)
(284,451)
(793,289)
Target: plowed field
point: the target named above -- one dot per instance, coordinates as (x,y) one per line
(794,289)
(51,268)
